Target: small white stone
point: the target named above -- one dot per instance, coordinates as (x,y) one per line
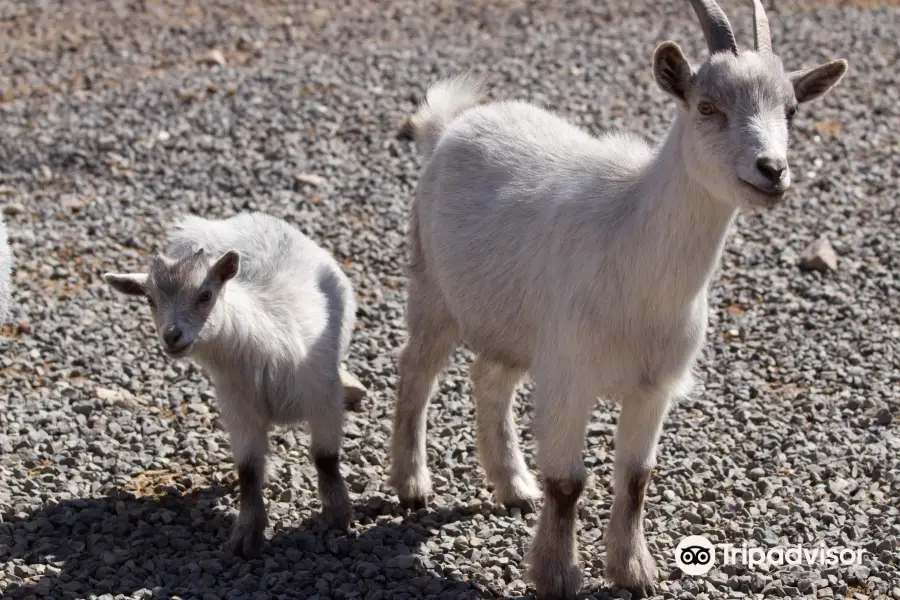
(309,178)
(819,256)
(108,394)
(213,57)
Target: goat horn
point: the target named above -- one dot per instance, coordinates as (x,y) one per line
(716,28)
(761,34)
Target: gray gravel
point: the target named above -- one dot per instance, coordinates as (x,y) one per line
(115,478)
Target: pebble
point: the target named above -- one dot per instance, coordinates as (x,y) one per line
(213,57)
(819,256)
(14,209)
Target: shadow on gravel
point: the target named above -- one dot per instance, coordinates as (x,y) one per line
(170,546)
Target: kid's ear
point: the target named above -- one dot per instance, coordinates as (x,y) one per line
(227,267)
(131,284)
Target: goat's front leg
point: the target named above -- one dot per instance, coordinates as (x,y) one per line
(562,411)
(326,425)
(629,563)
(249,444)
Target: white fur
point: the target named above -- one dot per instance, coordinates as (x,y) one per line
(272,342)
(276,336)
(584,261)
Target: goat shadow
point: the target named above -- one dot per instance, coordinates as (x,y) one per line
(172,546)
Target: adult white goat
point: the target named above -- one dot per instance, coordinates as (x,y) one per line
(585,261)
(269,314)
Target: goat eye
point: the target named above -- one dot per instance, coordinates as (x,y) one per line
(204,296)
(790,112)
(151,302)
(706,108)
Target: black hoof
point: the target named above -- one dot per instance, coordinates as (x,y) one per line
(526,506)
(246,544)
(414,503)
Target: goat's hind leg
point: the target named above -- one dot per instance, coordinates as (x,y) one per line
(249,443)
(326,424)
(433,335)
(493,386)
(629,563)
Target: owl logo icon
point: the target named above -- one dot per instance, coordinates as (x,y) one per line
(695,555)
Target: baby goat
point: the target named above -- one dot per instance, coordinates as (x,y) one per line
(585,261)
(269,314)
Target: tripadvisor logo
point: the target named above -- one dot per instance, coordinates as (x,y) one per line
(696,555)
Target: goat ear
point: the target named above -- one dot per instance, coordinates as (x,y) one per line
(815,82)
(672,70)
(227,267)
(131,284)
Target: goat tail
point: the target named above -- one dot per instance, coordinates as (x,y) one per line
(444,101)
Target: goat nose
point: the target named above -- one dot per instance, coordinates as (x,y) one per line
(772,167)
(171,336)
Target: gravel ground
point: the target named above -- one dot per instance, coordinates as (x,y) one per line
(115,478)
